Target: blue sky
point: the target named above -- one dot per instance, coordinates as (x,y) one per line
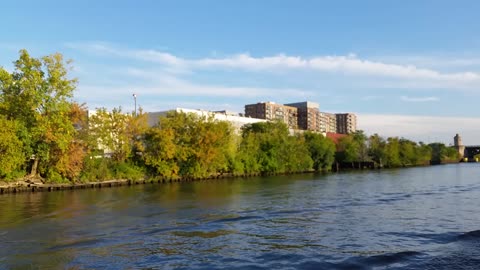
(407,68)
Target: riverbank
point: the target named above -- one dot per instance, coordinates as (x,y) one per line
(26,185)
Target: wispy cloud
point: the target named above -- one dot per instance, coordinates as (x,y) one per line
(419,99)
(183,88)
(347,64)
(164,86)
(434,61)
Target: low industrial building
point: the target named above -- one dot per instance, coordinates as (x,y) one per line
(236,120)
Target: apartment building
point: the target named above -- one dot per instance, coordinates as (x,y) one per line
(328,122)
(308,115)
(346,123)
(273,111)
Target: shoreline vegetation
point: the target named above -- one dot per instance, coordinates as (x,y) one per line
(49,141)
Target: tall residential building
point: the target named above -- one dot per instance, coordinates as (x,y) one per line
(346,123)
(308,116)
(328,122)
(273,111)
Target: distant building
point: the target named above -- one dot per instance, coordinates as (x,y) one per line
(346,123)
(236,120)
(458,144)
(304,116)
(328,122)
(273,111)
(308,115)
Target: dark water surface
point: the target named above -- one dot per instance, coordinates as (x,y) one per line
(418,218)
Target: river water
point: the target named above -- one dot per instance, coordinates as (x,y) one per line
(416,218)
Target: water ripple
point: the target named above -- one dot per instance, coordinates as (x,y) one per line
(418,218)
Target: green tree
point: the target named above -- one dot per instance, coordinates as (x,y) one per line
(161,151)
(249,153)
(38,95)
(407,152)
(360,139)
(321,149)
(392,152)
(185,145)
(269,137)
(295,154)
(11,154)
(108,133)
(376,149)
(267,147)
(348,149)
(440,152)
(424,154)
(209,148)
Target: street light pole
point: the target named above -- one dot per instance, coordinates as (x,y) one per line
(135,99)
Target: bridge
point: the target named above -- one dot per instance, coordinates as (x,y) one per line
(471,151)
(466,151)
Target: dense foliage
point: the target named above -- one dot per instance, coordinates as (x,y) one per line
(268,147)
(46,135)
(393,151)
(185,145)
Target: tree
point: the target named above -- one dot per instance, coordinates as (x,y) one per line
(440,152)
(295,155)
(161,151)
(392,152)
(264,141)
(407,153)
(321,149)
(348,149)
(108,133)
(185,145)
(38,95)
(209,145)
(376,149)
(11,148)
(424,153)
(267,147)
(249,153)
(360,140)
(70,164)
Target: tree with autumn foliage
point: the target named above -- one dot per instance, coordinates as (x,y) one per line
(38,95)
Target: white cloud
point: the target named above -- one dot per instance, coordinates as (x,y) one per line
(419,99)
(435,61)
(421,128)
(163,85)
(108,49)
(349,64)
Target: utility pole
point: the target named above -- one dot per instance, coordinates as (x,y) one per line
(135,99)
